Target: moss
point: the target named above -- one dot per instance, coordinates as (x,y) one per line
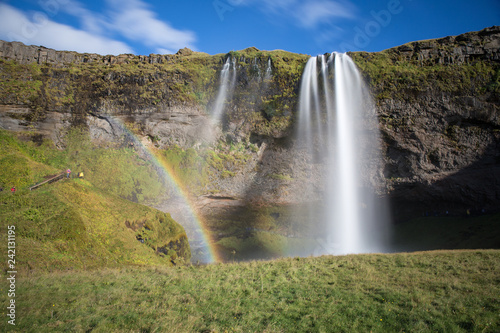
(187,167)
(74,223)
(20,84)
(274,127)
(283,177)
(389,77)
(494,84)
(229,159)
(164,236)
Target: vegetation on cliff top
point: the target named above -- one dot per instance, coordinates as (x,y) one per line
(393,78)
(181,80)
(441,291)
(134,84)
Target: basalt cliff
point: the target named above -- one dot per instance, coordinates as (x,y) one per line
(437,102)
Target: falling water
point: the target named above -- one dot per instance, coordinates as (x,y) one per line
(226,88)
(347,230)
(269,71)
(337,125)
(256,67)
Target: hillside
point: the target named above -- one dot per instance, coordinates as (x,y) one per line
(76,223)
(443,291)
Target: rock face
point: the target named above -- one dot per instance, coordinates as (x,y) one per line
(29,54)
(442,155)
(483,45)
(442,138)
(438,104)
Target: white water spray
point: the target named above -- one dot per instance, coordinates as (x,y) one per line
(337,124)
(269,71)
(256,68)
(347,209)
(226,89)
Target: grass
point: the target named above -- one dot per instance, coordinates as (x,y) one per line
(443,291)
(21,84)
(199,170)
(83,223)
(119,171)
(186,166)
(71,224)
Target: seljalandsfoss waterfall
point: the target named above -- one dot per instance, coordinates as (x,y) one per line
(337,127)
(337,160)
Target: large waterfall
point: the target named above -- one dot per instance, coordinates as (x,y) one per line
(337,126)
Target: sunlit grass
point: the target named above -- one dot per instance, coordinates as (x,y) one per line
(83,223)
(446,291)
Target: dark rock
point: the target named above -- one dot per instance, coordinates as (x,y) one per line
(184,52)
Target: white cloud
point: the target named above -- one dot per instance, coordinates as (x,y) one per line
(40,30)
(130,20)
(328,35)
(163,51)
(314,12)
(135,21)
(90,21)
(307,14)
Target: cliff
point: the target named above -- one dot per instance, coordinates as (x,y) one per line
(437,103)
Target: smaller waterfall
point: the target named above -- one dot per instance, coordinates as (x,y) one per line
(256,67)
(269,71)
(226,88)
(233,77)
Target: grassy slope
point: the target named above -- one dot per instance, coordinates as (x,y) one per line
(444,291)
(72,223)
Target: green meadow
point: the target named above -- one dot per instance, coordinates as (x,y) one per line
(440,291)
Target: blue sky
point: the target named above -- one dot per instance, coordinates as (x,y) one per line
(219,26)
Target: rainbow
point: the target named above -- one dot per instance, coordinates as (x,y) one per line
(165,171)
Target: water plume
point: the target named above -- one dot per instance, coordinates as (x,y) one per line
(226,89)
(338,128)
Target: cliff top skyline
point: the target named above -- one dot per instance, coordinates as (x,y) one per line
(311,26)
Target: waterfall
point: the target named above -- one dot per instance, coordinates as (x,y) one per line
(256,68)
(226,89)
(269,71)
(346,209)
(337,126)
